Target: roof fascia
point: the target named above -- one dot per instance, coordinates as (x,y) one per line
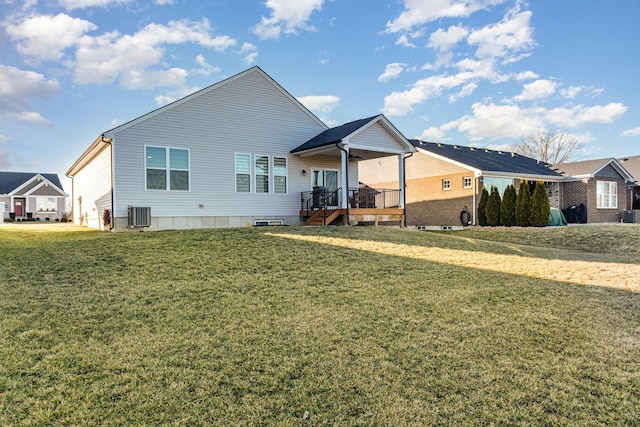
(27,182)
(44,182)
(618,167)
(476,171)
(96,147)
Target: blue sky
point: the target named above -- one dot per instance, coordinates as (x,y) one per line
(472,72)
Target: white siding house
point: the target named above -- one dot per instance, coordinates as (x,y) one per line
(221,157)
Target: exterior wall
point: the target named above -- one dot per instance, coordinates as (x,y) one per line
(248,115)
(585,191)
(92,191)
(376,137)
(426,202)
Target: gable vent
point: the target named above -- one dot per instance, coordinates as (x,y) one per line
(139,217)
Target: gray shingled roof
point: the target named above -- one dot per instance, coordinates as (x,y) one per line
(333,135)
(9,181)
(488,160)
(632,165)
(586,167)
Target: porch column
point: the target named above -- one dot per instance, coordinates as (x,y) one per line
(401,180)
(344,176)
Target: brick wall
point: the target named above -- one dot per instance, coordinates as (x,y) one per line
(429,204)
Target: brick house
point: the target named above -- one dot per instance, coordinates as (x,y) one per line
(601,185)
(442,180)
(632,165)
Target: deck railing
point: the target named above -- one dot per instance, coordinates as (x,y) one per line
(363,197)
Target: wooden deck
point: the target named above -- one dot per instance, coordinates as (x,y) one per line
(356,215)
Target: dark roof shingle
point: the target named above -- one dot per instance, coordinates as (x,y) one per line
(488,160)
(333,135)
(9,181)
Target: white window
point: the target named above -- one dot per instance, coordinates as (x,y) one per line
(262,174)
(243,173)
(46,204)
(607,194)
(280,175)
(167,168)
(466,182)
(446,184)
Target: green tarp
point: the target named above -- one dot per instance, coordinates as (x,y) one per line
(556,217)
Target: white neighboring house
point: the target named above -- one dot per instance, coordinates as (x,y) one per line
(238,153)
(27,195)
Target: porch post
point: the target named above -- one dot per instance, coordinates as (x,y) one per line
(344,166)
(401,180)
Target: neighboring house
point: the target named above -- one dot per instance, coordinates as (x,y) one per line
(442,180)
(632,165)
(240,152)
(601,185)
(25,195)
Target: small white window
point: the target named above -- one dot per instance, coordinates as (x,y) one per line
(243,173)
(467,182)
(607,194)
(261,168)
(280,175)
(446,184)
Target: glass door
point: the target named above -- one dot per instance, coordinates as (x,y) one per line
(329,180)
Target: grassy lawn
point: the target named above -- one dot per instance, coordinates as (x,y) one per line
(320,326)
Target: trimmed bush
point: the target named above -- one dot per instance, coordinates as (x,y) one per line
(540,209)
(523,204)
(493,207)
(482,204)
(508,207)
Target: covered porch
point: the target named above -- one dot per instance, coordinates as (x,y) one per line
(343,197)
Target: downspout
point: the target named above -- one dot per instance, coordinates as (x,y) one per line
(113,218)
(346,173)
(475,194)
(404,186)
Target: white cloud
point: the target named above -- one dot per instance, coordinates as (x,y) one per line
(526,75)
(497,121)
(391,71)
(18,86)
(466,90)
(513,35)
(444,40)
(432,134)
(403,40)
(535,90)
(419,12)
(250,52)
(205,69)
(174,95)
(82,4)
(45,37)
(111,56)
(322,103)
(401,103)
(288,16)
(31,117)
(632,132)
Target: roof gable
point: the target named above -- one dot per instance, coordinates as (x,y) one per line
(590,168)
(486,161)
(19,183)
(344,132)
(213,87)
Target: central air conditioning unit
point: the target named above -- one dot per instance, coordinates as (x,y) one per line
(138,217)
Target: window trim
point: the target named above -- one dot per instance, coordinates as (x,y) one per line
(286,174)
(256,174)
(464,185)
(607,194)
(167,168)
(235,168)
(446,184)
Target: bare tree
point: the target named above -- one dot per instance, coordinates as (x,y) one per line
(549,146)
